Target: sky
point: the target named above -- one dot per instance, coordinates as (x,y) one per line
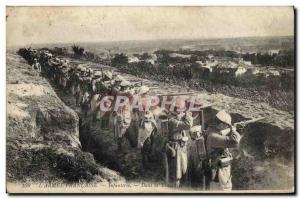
(34,25)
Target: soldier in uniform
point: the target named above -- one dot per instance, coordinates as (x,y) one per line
(196,157)
(86,87)
(116,85)
(78,88)
(54,63)
(95,93)
(64,76)
(36,65)
(47,64)
(218,171)
(176,150)
(142,95)
(106,84)
(104,88)
(125,89)
(74,79)
(122,123)
(147,125)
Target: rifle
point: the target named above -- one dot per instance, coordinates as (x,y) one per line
(241,124)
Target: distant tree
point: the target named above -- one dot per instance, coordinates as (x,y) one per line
(119,59)
(89,55)
(194,58)
(145,56)
(78,51)
(59,51)
(284,58)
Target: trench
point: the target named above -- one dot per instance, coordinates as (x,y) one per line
(264,159)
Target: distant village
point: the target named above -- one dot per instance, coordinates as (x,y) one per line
(273,68)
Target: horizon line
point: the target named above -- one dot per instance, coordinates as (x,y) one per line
(141,40)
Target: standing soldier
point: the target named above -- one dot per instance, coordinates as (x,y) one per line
(78,88)
(142,95)
(125,89)
(64,75)
(176,150)
(197,157)
(74,79)
(36,65)
(95,93)
(86,88)
(54,63)
(219,158)
(122,123)
(146,127)
(116,85)
(106,85)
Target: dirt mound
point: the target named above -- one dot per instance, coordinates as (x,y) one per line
(43,133)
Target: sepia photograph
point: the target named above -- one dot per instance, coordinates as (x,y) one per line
(150,99)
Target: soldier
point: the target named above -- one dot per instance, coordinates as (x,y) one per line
(78,88)
(90,72)
(74,79)
(147,125)
(196,157)
(64,75)
(176,150)
(95,93)
(125,88)
(116,85)
(106,84)
(86,87)
(142,95)
(219,158)
(54,63)
(36,65)
(122,123)
(47,61)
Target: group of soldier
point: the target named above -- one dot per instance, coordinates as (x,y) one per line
(89,87)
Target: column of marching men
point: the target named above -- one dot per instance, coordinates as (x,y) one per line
(158,132)
(89,87)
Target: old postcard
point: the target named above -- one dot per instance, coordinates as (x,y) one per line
(150,100)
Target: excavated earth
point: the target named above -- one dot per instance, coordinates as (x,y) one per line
(263,161)
(43,134)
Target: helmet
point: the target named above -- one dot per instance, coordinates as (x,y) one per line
(224,117)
